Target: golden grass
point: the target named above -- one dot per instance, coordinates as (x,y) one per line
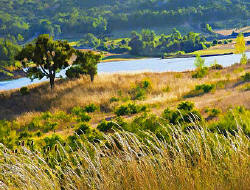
(212,51)
(194,160)
(82,92)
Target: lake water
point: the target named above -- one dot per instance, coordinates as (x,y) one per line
(140,65)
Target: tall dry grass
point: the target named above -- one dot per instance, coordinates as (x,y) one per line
(194,160)
(80,92)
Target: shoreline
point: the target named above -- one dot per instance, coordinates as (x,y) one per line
(16,75)
(194,55)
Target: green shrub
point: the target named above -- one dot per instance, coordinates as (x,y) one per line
(84,117)
(216,66)
(129,109)
(81,114)
(105,126)
(200,72)
(46,115)
(24,91)
(229,122)
(214,112)
(83,128)
(49,126)
(185,114)
(122,110)
(206,88)
(246,77)
(53,140)
(24,134)
(200,90)
(215,42)
(95,136)
(90,108)
(139,92)
(187,106)
(113,99)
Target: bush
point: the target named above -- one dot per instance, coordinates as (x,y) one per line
(246,77)
(184,115)
(105,126)
(187,106)
(200,90)
(122,110)
(113,99)
(81,114)
(215,42)
(24,91)
(83,129)
(200,72)
(49,126)
(214,112)
(90,108)
(139,92)
(231,121)
(206,88)
(243,59)
(129,109)
(216,66)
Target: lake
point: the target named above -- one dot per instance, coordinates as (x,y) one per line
(139,65)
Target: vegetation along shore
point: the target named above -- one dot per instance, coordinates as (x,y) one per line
(85,124)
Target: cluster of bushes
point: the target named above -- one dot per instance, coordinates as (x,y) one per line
(12,132)
(185,113)
(200,90)
(231,122)
(130,109)
(147,43)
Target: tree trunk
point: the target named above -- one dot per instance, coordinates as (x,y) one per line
(92,77)
(52,82)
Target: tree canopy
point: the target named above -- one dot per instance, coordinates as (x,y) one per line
(45,57)
(85,63)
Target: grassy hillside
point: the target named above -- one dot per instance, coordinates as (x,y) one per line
(166,88)
(129,131)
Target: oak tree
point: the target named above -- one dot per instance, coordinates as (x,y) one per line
(45,58)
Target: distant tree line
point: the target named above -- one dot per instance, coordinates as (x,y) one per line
(72,17)
(147,43)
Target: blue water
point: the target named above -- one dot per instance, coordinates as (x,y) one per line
(140,65)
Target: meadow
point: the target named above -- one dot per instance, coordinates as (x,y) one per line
(129,131)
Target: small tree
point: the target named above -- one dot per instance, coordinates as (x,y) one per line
(201,70)
(85,63)
(240,48)
(199,62)
(45,57)
(240,45)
